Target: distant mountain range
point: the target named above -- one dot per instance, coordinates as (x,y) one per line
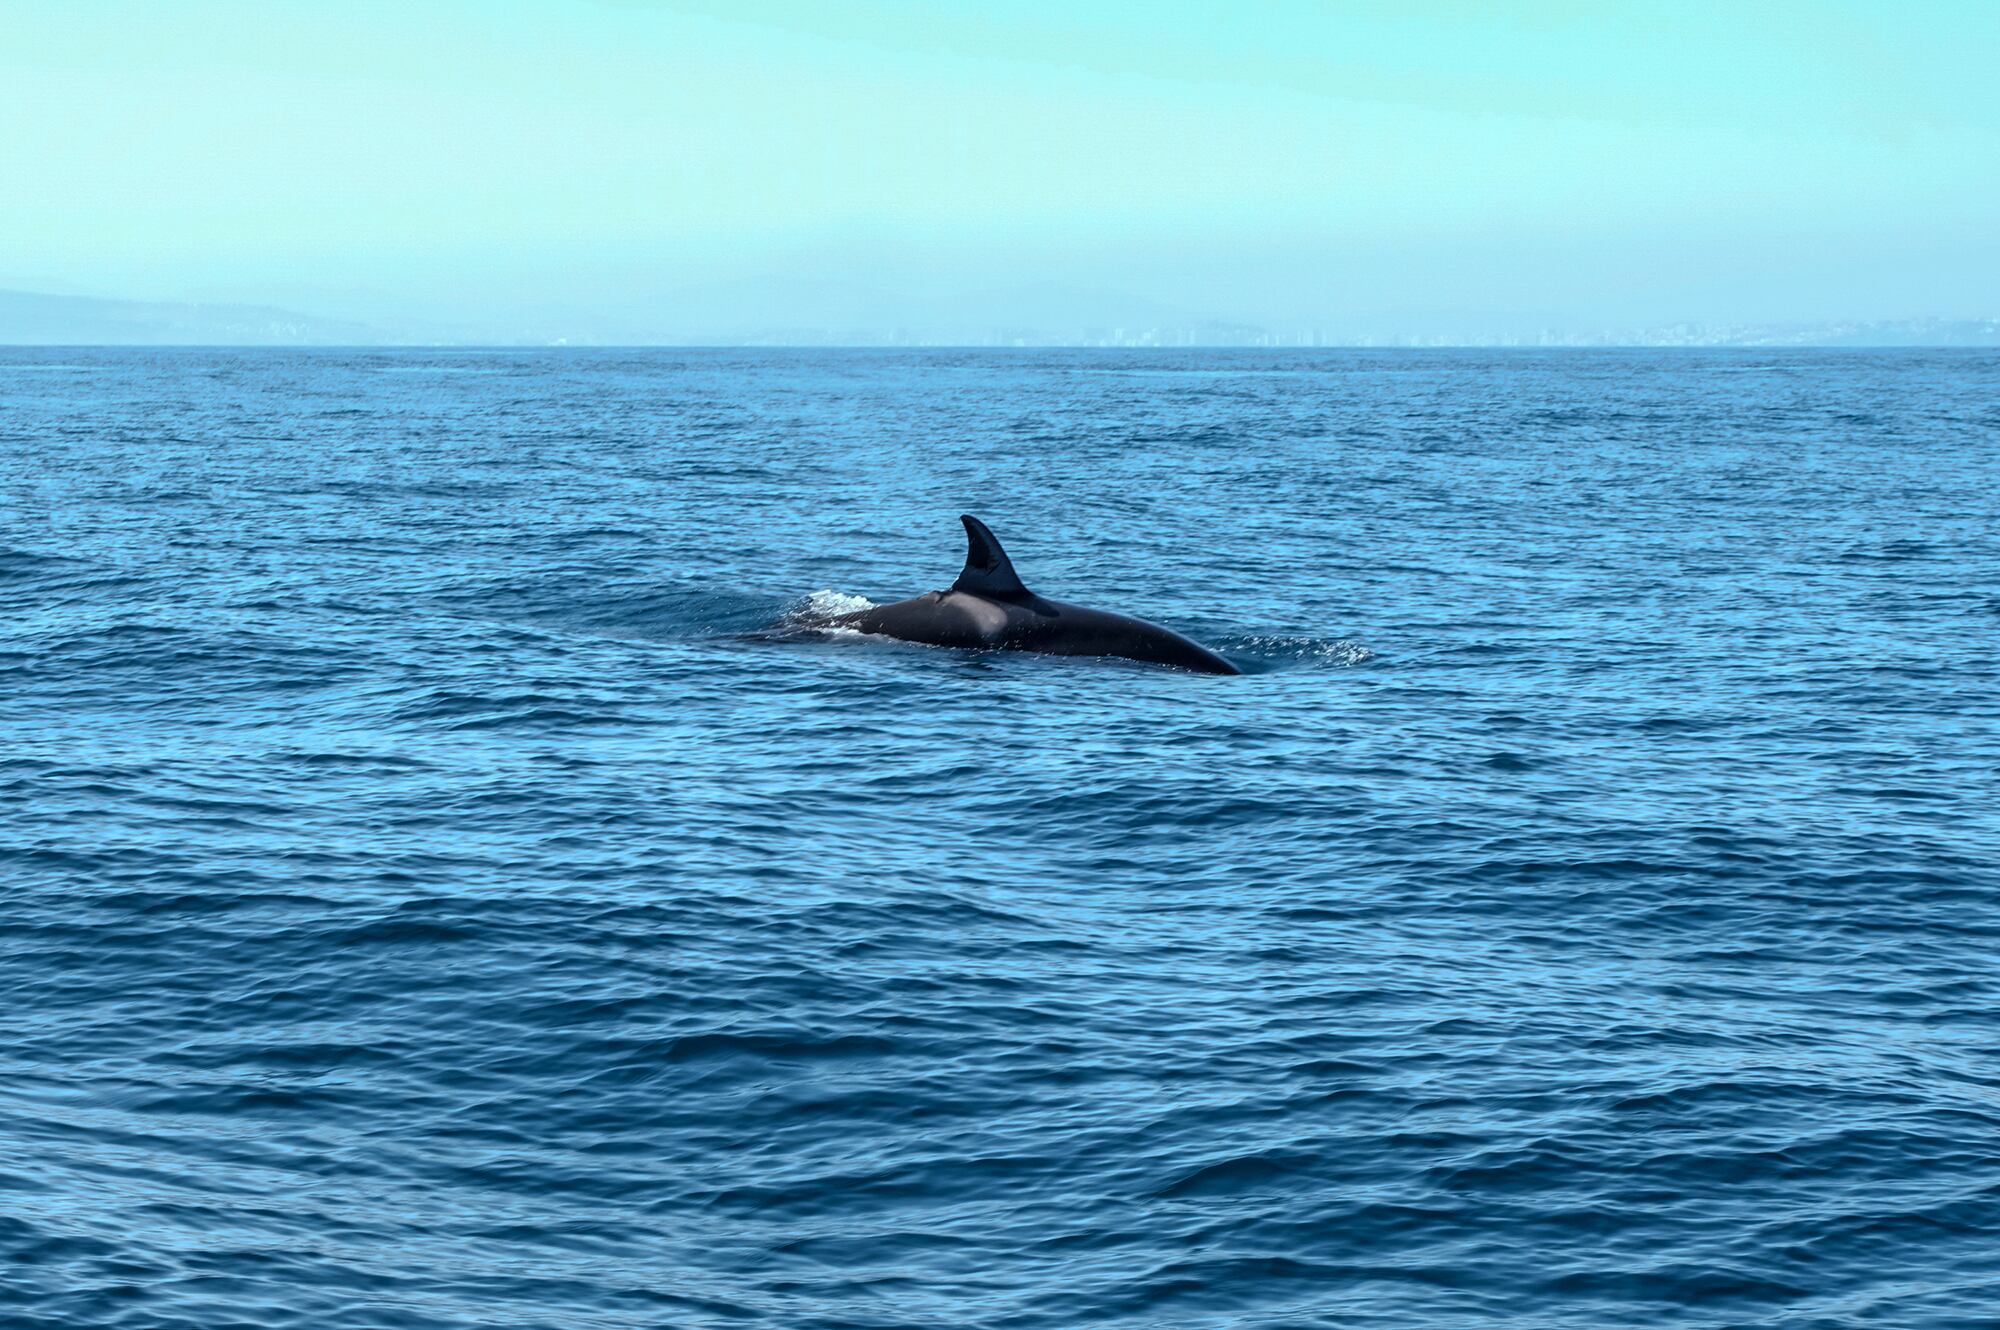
(769,312)
(43,320)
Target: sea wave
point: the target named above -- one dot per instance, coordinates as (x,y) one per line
(452,879)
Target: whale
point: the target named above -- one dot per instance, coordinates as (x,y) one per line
(988,609)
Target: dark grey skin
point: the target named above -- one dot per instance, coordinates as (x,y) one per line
(988,609)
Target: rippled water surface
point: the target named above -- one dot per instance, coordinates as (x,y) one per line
(447,884)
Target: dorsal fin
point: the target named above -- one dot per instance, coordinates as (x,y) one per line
(988,571)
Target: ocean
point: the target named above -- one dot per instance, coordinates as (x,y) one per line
(447,880)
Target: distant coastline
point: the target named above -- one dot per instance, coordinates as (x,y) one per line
(1076,320)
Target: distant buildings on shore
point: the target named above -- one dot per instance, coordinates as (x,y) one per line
(1907,332)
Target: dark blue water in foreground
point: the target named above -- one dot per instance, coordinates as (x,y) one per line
(443,888)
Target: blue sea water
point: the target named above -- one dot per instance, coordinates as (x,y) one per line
(445,882)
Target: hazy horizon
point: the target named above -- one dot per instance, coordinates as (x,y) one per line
(617,171)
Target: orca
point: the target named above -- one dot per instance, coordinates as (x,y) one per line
(989,609)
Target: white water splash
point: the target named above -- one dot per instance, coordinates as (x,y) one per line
(1330,652)
(820,608)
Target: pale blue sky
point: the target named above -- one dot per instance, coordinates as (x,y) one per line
(1344,165)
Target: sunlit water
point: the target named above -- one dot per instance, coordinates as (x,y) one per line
(447,884)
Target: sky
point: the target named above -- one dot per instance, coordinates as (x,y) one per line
(617,165)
